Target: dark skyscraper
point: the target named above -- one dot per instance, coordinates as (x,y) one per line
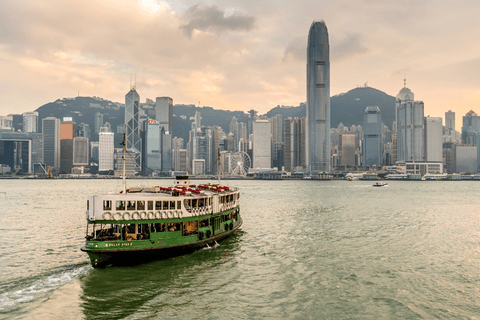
(318,98)
(132,115)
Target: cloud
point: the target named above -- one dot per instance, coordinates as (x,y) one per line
(296,50)
(350,46)
(213,19)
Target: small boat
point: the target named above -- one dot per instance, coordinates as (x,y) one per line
(147,223)
(380,184)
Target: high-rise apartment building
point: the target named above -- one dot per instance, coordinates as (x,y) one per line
(262,144)
(105,151)
(318,98)
(30,121)
(372,137)
(410,127)
(433,139)
(51,142)
(164,112)
(132,126)
(98,121)
(295,144)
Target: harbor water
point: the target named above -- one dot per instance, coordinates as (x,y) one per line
(306,250)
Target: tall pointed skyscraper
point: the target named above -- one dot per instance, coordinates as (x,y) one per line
(318,98)
(132,115)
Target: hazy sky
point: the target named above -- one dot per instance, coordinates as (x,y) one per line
(236,55)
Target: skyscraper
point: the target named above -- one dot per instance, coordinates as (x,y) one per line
(98,121)
(105,151)
(294,151)
(132,125)
(410,127)
(262,144)
(51,142)
(318,98)
(372,137)
(152,151)
(164,112)
(80,151)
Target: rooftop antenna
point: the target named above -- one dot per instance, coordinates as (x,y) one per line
(404,80)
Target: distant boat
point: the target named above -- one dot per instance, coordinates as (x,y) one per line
(380,184)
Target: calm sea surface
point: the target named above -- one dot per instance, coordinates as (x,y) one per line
(306,250)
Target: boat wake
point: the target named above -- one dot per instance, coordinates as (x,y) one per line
(41,287)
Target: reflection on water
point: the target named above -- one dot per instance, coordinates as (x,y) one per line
(307,249)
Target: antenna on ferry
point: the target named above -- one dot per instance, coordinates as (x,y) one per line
(124,180)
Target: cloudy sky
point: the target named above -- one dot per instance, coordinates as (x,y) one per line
(236,55)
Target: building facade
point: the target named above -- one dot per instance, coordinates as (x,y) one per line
(164,112)
(262,144)
(51,142)
(132,126)
(372,137)
(106,151)
(295,144)
(433,139)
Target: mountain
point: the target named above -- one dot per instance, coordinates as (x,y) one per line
(348,107)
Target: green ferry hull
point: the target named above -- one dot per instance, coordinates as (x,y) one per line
(148,250)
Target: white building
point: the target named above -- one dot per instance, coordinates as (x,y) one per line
(6,123)
(433,139)
(105,151)
(262,142)
(30,121)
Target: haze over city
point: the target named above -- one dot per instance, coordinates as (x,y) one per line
(236,55)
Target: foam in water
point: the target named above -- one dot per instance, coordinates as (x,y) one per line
(42,286)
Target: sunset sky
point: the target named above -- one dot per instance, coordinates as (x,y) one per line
(236,55)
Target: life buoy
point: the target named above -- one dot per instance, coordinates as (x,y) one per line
(126,216)
(135,216)
(117,216)
(143,215)
(158,215)
(107,216)
(151,215)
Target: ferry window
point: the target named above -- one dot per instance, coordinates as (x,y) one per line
(130,205)
(201,202)
(174,227)
(158,227)
(120,205)
(131,228)
(203,223)
(107,205)
(179,204)
(165,205)
(141,205)
(172,204)
(194,203)
(158,205)
(190,227)
(150,205)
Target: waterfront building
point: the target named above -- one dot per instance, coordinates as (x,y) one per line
(449,156)
(262,144)
(132,126)
(450,125)
(433,139)
(51,142)
(198,167)
(216,133)
(346,149)
(295,143)
(94,145)
(372,137)
(235,133)
(471,131)
(180,162)
(318,98)
(167,152)
(151,139)
(130,165)
(68,131)
(105,151)
(80,151)
(30,121)
(164,112)
(22,151)
(466,159)
(410,127)
(277,141)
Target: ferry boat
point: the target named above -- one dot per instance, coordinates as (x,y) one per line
(155,222)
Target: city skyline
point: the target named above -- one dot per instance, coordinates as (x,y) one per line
(235,56)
